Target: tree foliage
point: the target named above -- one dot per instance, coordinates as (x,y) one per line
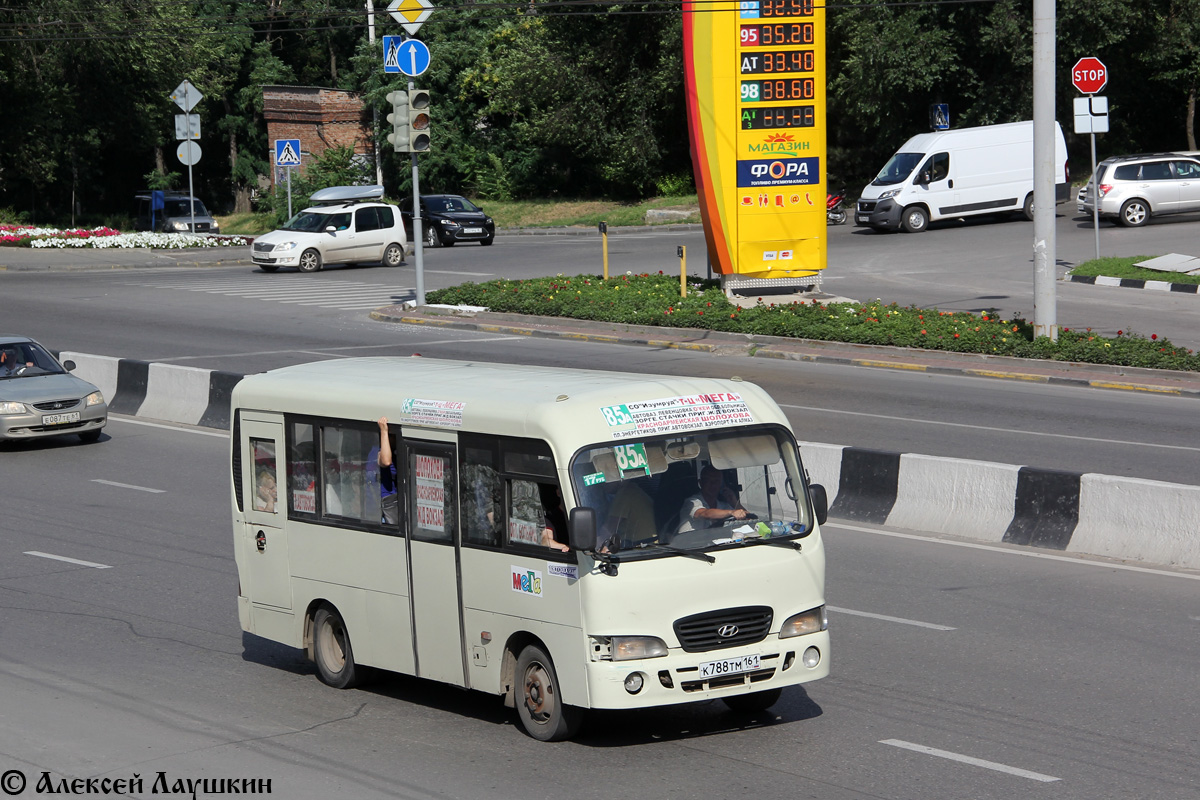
(536,100)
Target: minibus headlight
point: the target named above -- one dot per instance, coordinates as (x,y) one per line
(807,622)
(628,648)
(12,408)
(95,399)
(889,193)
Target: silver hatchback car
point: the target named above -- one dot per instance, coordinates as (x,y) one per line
(39,397)
(1135,188)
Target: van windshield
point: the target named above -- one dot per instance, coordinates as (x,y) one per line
(648,494)
(897,169)
(179,208)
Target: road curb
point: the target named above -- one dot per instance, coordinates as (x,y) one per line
(1084,513)
(1097,376)
(1136,283)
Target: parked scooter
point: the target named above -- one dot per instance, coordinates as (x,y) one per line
(834,213)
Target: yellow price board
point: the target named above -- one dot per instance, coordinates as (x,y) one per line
(755,85)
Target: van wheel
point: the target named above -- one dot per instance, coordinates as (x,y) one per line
(543,714)
(750,703)
(393,256)
(310,261)
(1029,207)
(914,219)
(1134,213)
(332,650)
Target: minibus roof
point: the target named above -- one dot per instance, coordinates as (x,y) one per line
(564,406)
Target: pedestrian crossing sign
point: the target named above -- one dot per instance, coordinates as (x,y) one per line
(391,53)
(287,152)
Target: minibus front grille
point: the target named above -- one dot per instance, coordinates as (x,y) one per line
(729,627)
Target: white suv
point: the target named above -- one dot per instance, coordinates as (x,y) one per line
(1135,188)
(345,225)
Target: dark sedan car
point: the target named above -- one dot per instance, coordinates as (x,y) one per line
(449,218)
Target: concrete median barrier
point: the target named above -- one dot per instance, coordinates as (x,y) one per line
(1104,515)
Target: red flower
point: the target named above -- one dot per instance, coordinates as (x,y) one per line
(956,336)
(921,316)
(922,331)
(1153,336)
(1120,332)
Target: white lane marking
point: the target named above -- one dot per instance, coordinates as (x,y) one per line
(886,618)
(91,564)
(456,272)
(973,426)
(978,762)
(129,486)
(200,431)
(1023,553)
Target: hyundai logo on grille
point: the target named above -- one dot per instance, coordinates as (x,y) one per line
(727,631)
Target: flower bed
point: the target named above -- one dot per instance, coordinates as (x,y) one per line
(25,236)
(654,300)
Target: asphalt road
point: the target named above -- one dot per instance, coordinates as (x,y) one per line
(959,670)
(236,318)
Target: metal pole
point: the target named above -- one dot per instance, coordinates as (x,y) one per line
(374,111)
(191,193)
(1044,171)
(420,248)
(604,241)
(682,253)
(1095,198)
(289,184)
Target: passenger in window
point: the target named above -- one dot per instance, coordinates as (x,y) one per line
(554,534)
(389,500)
(267,493)
(712,506)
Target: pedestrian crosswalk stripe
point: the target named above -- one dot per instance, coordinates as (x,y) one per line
(299,290)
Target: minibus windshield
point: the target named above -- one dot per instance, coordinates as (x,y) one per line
(897,169)
(677,495)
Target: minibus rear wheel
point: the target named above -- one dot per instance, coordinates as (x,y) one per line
(750,703)
(543,714)
(332,650)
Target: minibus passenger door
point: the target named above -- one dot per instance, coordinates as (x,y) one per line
(263,540)
(431,499)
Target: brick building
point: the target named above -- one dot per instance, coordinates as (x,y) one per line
(319,118)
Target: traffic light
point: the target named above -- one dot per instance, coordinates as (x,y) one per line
(418,120)
(401,135)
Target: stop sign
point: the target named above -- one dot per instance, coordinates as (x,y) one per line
(1089,75)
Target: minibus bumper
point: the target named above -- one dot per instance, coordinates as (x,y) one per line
(878,214)
(676,678)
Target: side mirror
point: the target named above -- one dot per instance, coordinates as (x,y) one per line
(820,502)
(330,229)
(924,179)
(583,528)
(69,365)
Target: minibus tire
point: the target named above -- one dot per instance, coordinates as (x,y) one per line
(1028,209)
(751,703)
(332,650)
(539,703)
(914,219)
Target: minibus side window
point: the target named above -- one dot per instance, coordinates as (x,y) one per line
(431,497)
(301,471)
(482,493)
(266,493)
(350,473)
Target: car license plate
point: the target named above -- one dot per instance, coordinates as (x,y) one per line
(861,218)
(60,419)
(728,666)
(472,230)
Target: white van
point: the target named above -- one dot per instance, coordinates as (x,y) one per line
(959,173)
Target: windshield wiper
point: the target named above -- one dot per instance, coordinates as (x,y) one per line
(680,551)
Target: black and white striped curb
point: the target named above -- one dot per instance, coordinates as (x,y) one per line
(1084,513)
(1136,283)
(159,391)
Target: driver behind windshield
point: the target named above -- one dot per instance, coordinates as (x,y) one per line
(10,364)
(712,506)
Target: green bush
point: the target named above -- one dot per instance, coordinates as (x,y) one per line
(655,300)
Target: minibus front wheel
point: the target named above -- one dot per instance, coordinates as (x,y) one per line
(332,650)
(543,714)
(914,219)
